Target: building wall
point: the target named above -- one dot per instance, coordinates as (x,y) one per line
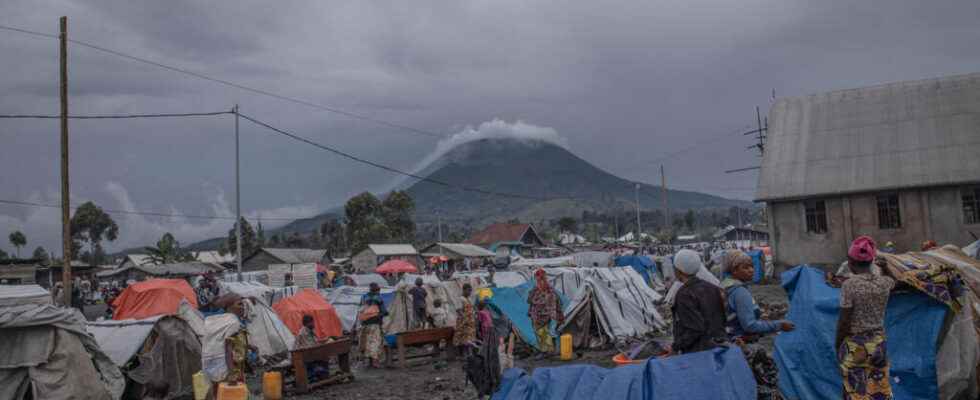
(926,214)
(365,261)
(259,262)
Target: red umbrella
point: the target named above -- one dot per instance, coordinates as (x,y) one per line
(395,266)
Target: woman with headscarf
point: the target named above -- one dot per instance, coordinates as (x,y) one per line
(744,324)
(372,337)
(544,306)
(860,339)
(698,308)
(465,332)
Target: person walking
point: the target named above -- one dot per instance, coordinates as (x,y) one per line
(860,338)
(544,306)
(371,316)
(698,308)
(744,322)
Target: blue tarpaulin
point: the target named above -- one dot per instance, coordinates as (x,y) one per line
(642,264)
(512,303)
(720,374)
(806,357)
(760,267)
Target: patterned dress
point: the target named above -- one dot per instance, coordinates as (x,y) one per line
(465,325)
(863,355)
(239,356)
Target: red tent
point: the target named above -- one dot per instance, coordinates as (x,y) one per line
(308,302)
(153,297)
(395,267)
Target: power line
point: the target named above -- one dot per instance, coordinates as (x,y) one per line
(225,82)
(388,168)
(146,213)
(117,116)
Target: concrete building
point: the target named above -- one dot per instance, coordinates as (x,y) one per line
(376,254)
(265,256)
(742,237)
(898,162)
(506,239)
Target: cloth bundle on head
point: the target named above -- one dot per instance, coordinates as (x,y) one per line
(733,257)
(862,249)
(688,262)
(929,245)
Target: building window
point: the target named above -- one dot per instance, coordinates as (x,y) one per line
(889,215)
(971,205)
(815,212)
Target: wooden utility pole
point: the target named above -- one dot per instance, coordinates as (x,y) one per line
(65,206)
(663,186)
(238,204)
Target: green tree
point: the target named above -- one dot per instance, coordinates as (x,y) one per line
(260,234)
(295,241)
(365,221)
(3,255)
(689,220)
(249,244)
(92,225)
(18,239)
(567,224)
(332,234)
(397,210)
(41,254)
(167,251)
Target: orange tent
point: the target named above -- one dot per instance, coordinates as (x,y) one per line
(308,302)
(395,267)
(153,297)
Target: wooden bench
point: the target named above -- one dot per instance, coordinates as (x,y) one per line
(419,338)
(321,352)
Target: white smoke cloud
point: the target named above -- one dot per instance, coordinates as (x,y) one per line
(494,129)
(42,226)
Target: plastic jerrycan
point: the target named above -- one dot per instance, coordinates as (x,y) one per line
(272,385)
(232,391)
(201,386)
(566,347)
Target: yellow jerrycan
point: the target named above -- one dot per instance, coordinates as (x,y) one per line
(566,346)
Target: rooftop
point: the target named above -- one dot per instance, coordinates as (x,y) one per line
(392,249)
(499,232)
(297,256)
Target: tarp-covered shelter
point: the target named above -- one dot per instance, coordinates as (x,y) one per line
(593,259)
(146,299)
(500,278)
(719,374)
(608,304)
(566,261)
(933,353)
(23,294)
(511,304)
(409,279)
(154,352)
(347,301)
(268,332)
(400,316)
(643,265)
(47,353)
(309,302)
(365,280)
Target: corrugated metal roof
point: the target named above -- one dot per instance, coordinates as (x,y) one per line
(183,268)
(499,232)
(467,250)
(894,136)
(297,256)
(214,257)
(392,249)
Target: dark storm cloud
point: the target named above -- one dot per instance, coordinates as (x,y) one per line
(624,83)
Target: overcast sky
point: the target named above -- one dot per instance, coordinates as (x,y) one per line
(621,84)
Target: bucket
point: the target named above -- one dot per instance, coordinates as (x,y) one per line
(566,346)
(232,391)
(272,385)
(201,385)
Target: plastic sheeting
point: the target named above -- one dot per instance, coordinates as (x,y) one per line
(567,261)
(645,266)
(48,347)
(347,301)
(366,279)
(309,302)
(623,304)
(121,340)
(401,318)
(268,333)
(806,357)
(590,259)
(13,295)
(512,303)
(153,297)
(500,278)
(719,374)
(173,357)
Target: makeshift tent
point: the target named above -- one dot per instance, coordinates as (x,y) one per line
(588,259)
(409,279)
(719,374)
(160,350)
(610,304)
(396,267)
(567,261)
(268,333)
(914,325)
(347,301)
(479,279)
(309,302)
(23,294)
(645,266)
(46,351)
(365,280)
(401,318)
(247,289)
(511,304)
(146,299)
(973,250)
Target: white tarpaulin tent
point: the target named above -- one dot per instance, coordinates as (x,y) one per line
(23,294)
(366,279)
(268,333)
(409,279)
(566,261)
(347,301)
(617,299)
(500,278)
(120,340)
(47,349)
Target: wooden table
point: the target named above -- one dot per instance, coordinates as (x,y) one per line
(321,352)
(422,337)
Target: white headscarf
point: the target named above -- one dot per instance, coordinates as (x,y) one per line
(688,262)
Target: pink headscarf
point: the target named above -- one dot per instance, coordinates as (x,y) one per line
(862,249)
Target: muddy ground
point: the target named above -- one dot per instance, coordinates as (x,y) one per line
(423,381)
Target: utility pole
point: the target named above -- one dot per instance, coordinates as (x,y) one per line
(439,225)
(65,194)
(238,201)
(639,231)
(663,186)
